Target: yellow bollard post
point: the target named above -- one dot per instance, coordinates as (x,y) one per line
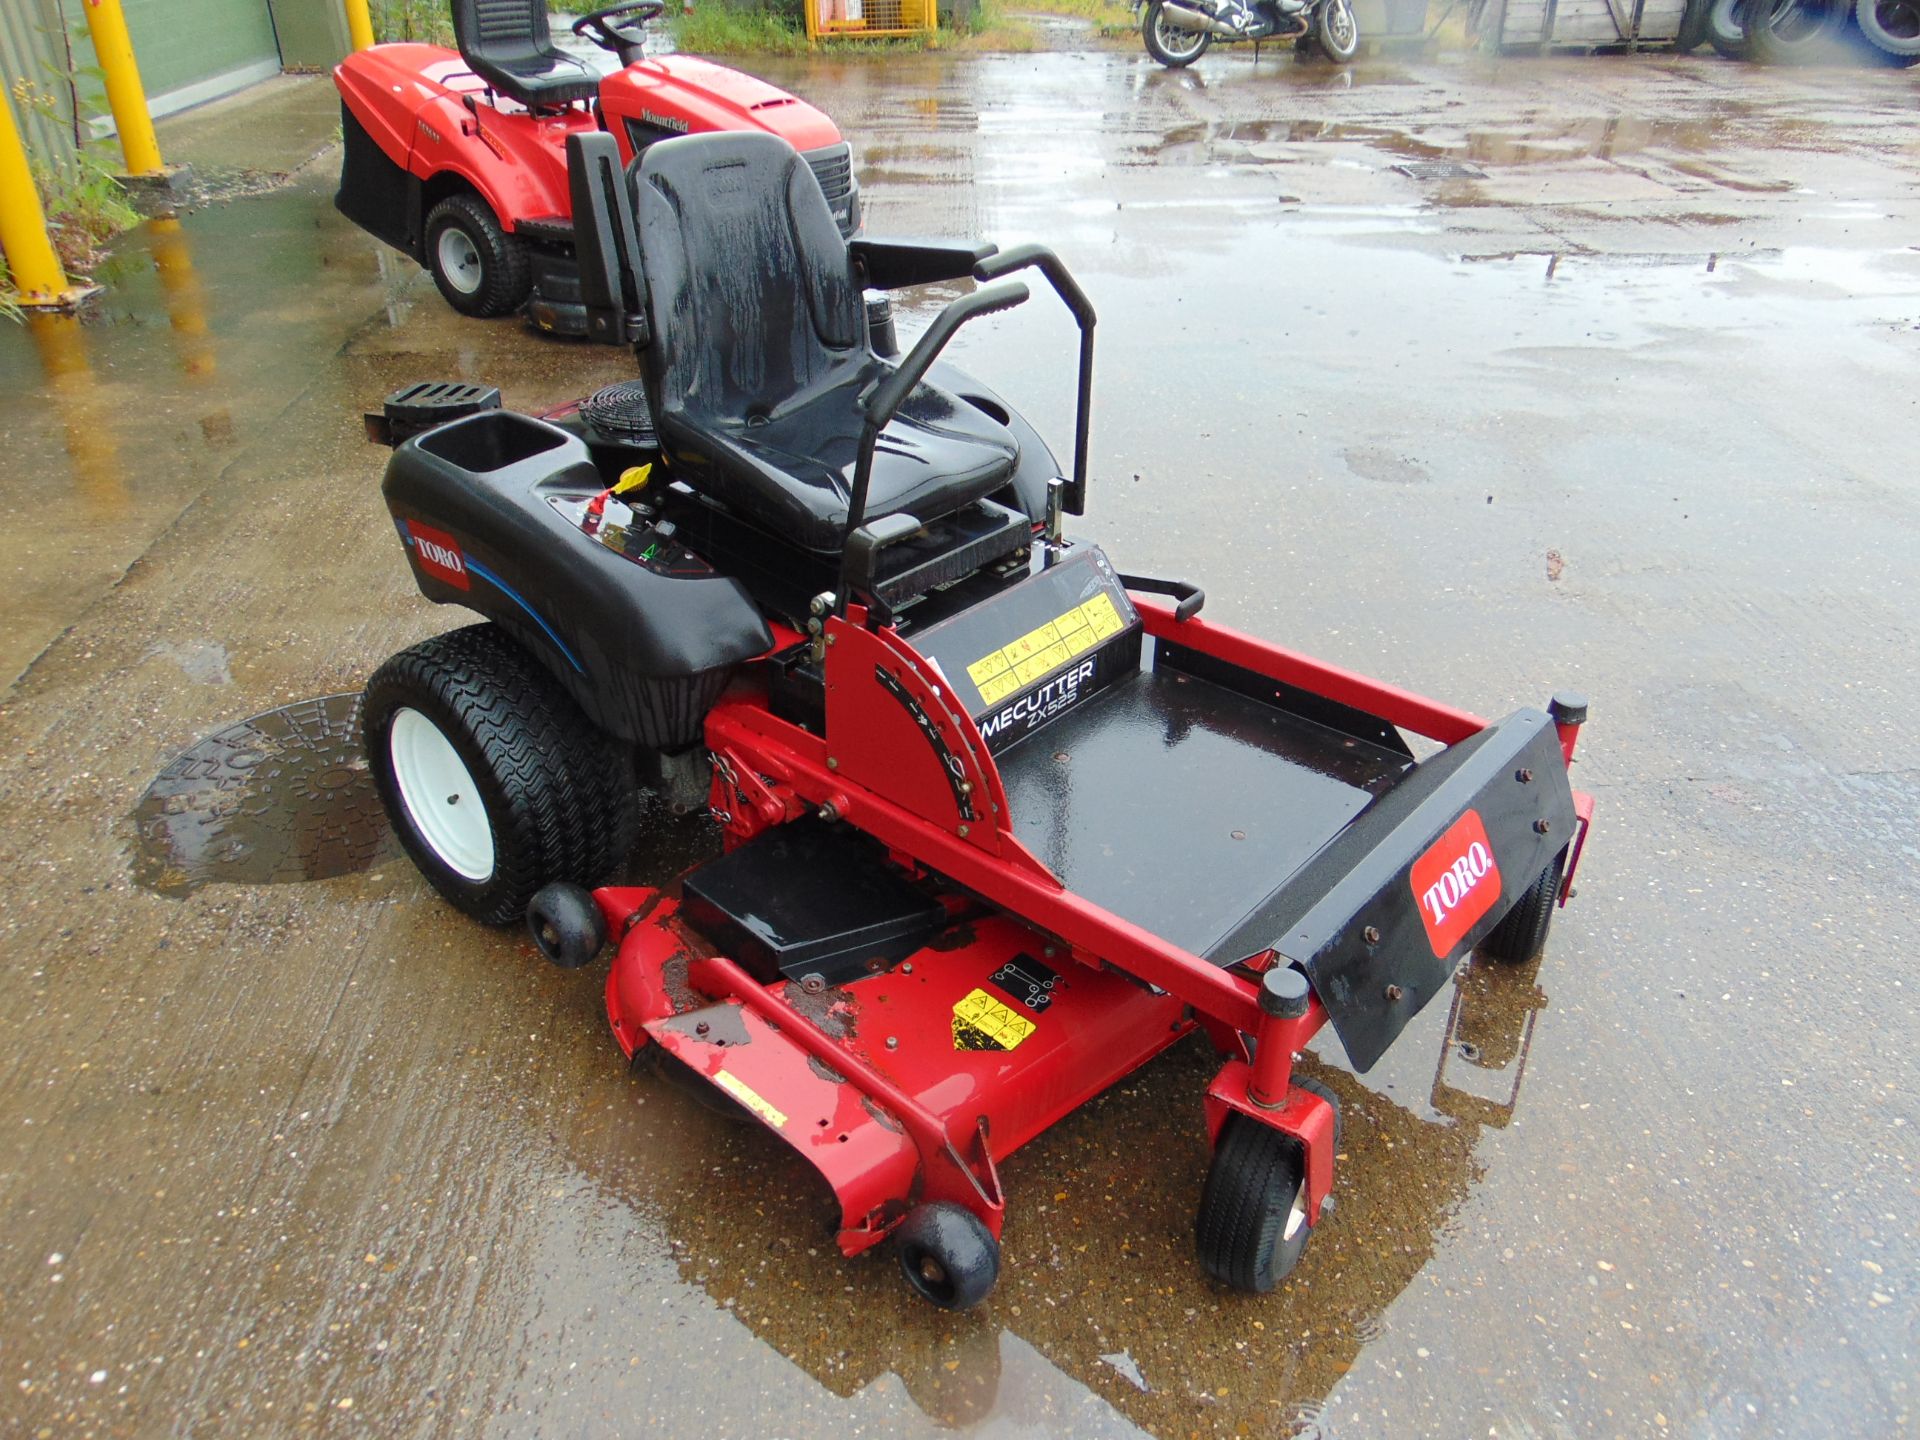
(359,24)
(37,275)
(125,97)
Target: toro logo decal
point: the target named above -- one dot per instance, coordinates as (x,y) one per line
(1455,882)
(439,554)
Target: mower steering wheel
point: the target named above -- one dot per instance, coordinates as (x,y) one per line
(618,38)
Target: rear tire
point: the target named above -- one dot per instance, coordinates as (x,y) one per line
(1522,934)
(1171,46)
(1891,27)
(471,719)
(1252,1227)
(948,1255)
(480,269)
(1336,31)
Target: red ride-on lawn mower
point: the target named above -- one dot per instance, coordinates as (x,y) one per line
(1002,822)
(460,159)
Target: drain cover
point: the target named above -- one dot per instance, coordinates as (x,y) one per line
(1440,170)
(283,796)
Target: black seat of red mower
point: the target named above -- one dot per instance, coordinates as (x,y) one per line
(759,351)
(508,44)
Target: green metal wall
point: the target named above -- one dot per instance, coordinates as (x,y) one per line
(32,51)
(181,42)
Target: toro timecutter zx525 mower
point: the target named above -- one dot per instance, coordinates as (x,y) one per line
(1002,822)
(460,159)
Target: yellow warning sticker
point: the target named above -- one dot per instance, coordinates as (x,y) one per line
(981,1022)
(1037,654)
(749,1097)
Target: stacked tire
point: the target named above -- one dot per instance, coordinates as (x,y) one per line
(1892,28)
(1805,32)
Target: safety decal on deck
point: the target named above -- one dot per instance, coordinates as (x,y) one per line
(749,1097)
(981,1022)
(1038,653)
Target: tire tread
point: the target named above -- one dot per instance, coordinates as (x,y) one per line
(560,793)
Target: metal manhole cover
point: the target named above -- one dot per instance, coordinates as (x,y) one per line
(1440,170)
(283,796)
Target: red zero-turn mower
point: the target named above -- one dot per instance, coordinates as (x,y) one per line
(1001,821)
(460,159)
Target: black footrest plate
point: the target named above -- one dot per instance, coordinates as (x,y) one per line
(809,898)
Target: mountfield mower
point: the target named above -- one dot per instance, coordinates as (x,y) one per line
(460,159)
(1002,821)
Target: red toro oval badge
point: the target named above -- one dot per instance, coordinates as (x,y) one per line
(1455,882)
(439,554)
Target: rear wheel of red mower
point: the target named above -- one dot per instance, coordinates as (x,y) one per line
(480,269)
(948,1255)
(1252,1227)
(492,778)
(1522,935)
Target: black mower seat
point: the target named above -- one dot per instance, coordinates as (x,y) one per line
(758,352)
(508,45)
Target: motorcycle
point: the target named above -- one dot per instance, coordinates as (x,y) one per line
(1178,32)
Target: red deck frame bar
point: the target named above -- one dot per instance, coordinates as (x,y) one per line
(1397,707)
(1040,899)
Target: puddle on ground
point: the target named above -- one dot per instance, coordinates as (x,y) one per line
(1098,1258)
(280,797)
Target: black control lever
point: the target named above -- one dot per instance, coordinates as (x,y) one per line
(882,400)
(1075,299)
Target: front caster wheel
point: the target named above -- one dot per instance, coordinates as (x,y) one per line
(948,1254)
(567,927)
(1522,935)
(1252,1229)
(492,778)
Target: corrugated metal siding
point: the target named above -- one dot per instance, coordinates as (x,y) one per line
(31,50)
(181,42)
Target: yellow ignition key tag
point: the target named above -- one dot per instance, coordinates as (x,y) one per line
(635,477)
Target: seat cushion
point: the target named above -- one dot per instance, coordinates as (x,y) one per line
(793,471)
(554,79)
(509,44)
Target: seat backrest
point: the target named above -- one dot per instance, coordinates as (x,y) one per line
(751,295)
(501,30)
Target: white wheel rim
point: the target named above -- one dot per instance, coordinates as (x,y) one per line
(1342,26)
(441,799)
(1296,1213)
(1175,41)
(459,259)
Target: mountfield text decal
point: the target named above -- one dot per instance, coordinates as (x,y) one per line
(1456,882)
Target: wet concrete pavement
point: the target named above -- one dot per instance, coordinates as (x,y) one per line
(1634,413)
